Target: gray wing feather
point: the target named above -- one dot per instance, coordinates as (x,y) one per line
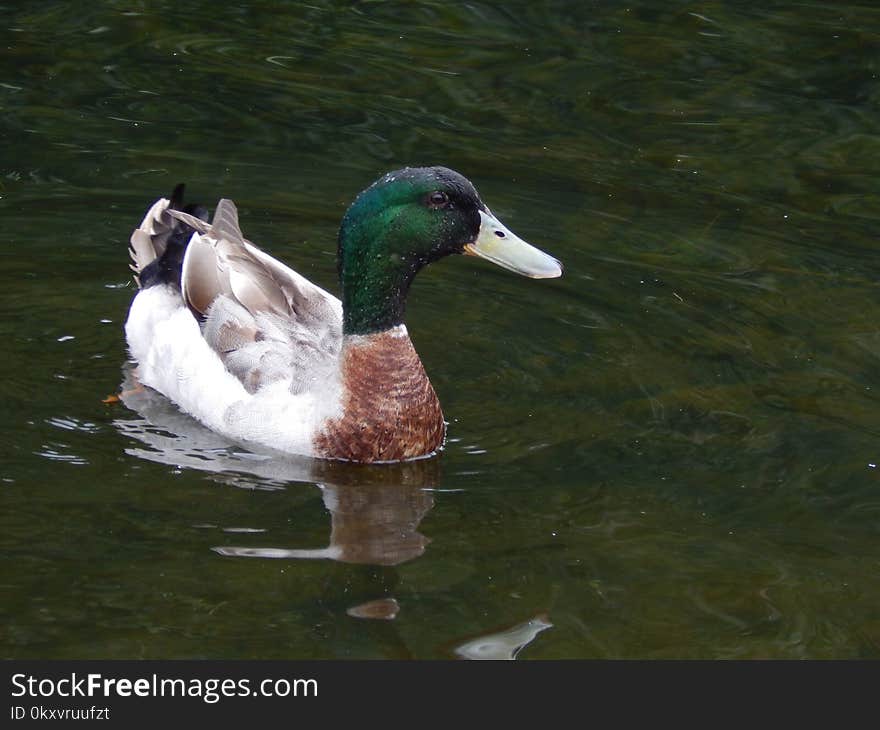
(224,224)
(266,322)
(197,223)
(200,281)
(253,284)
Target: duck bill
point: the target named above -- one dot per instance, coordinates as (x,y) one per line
(498,244)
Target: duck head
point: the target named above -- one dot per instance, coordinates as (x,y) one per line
(408,219)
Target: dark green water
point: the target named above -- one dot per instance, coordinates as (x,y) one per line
(669,452)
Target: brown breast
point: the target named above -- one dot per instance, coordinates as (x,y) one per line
(390,410)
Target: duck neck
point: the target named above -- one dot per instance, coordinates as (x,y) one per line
(374,290)
(378,257)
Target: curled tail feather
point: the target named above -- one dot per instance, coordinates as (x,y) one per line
(158,244)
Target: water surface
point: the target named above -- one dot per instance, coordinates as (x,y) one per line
(672,451)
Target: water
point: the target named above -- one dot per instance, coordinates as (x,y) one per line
(672,451)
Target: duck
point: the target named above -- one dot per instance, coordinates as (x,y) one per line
(261,355)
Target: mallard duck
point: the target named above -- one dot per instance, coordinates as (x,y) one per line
(260,354)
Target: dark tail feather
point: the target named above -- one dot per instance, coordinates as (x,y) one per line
(167,267)
(176,199)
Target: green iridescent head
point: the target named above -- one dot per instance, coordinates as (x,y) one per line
(404,221)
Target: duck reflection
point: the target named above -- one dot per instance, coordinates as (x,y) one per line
(375,510)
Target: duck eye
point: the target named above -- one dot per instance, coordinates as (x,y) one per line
(438,199)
